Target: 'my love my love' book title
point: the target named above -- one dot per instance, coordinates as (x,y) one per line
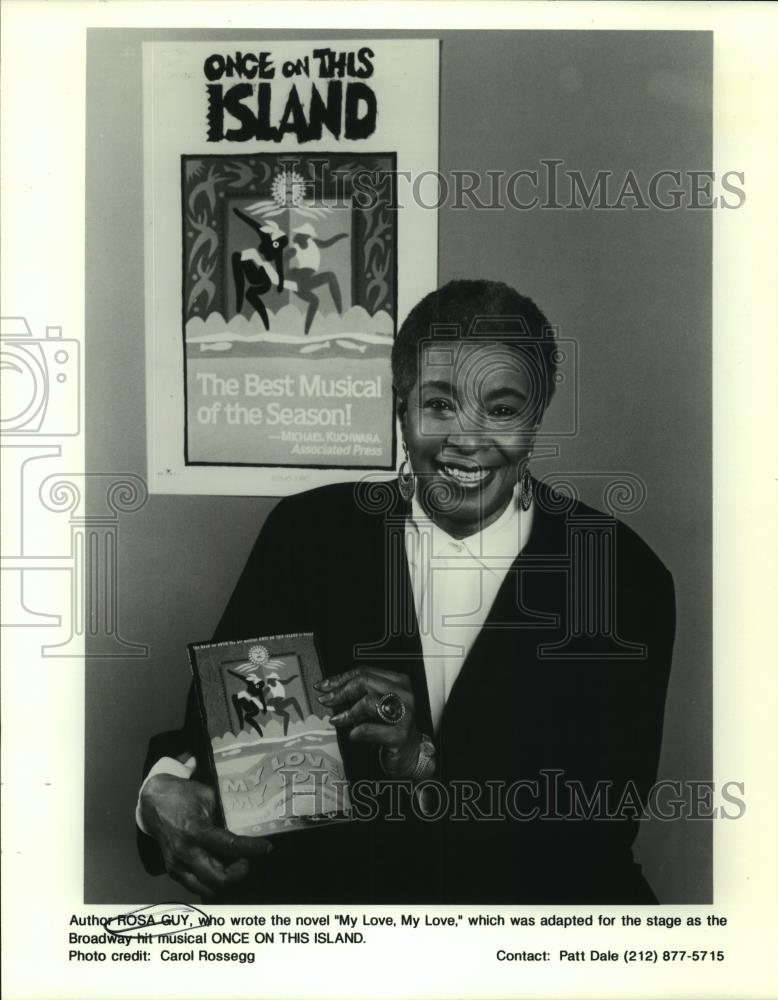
(275,755)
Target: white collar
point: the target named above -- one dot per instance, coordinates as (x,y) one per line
(503,539)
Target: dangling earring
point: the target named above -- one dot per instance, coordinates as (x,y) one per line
(405,477)
(525,493)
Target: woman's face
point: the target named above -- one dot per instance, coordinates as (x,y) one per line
(468,430)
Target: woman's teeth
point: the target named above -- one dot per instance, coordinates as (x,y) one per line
(466,478)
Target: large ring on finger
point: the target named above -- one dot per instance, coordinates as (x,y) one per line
(390,708)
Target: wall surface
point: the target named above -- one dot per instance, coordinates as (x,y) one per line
(633,288)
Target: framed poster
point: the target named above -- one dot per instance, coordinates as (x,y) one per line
(279,257)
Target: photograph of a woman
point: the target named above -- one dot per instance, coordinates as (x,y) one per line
(496,654)
(411,640)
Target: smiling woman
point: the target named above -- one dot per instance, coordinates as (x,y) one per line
(492,651)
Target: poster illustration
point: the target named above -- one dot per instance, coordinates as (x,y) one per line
(290,305)
(280,256)
(277,762)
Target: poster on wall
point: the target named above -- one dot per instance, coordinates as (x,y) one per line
(281,256)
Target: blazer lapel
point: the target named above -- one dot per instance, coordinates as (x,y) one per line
(525,603)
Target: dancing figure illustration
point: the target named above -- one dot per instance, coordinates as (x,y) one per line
(256,270)
(264,695)
(278,699)
(305,252)
(250,701)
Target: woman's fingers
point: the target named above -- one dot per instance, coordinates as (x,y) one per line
(363,685)
(214,873)
(231,847)
(206,869)
(236,871)
(366,711)
(189,881)
(355,694)
(344,694)
(352,691)
(360,711)
(198,854)
(389,679)
(201,872)
(330,683)
(374,732)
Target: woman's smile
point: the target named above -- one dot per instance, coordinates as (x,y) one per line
(469,477)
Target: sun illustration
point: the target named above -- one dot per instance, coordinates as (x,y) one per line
(259,655)
(288,189)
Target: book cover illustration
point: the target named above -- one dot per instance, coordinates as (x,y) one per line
(289,309)
(276,758)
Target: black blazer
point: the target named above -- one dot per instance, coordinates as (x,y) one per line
(548,743)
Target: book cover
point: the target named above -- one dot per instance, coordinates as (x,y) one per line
(275,756)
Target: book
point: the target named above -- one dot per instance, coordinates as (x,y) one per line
(275,756)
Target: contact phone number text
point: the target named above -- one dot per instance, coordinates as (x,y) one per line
(673,955)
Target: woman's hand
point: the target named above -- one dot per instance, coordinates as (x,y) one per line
(180,814)
(354,696)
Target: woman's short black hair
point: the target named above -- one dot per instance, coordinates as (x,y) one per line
(478,309)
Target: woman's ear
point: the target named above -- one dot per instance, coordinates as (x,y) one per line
(402,408)
(531,439)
